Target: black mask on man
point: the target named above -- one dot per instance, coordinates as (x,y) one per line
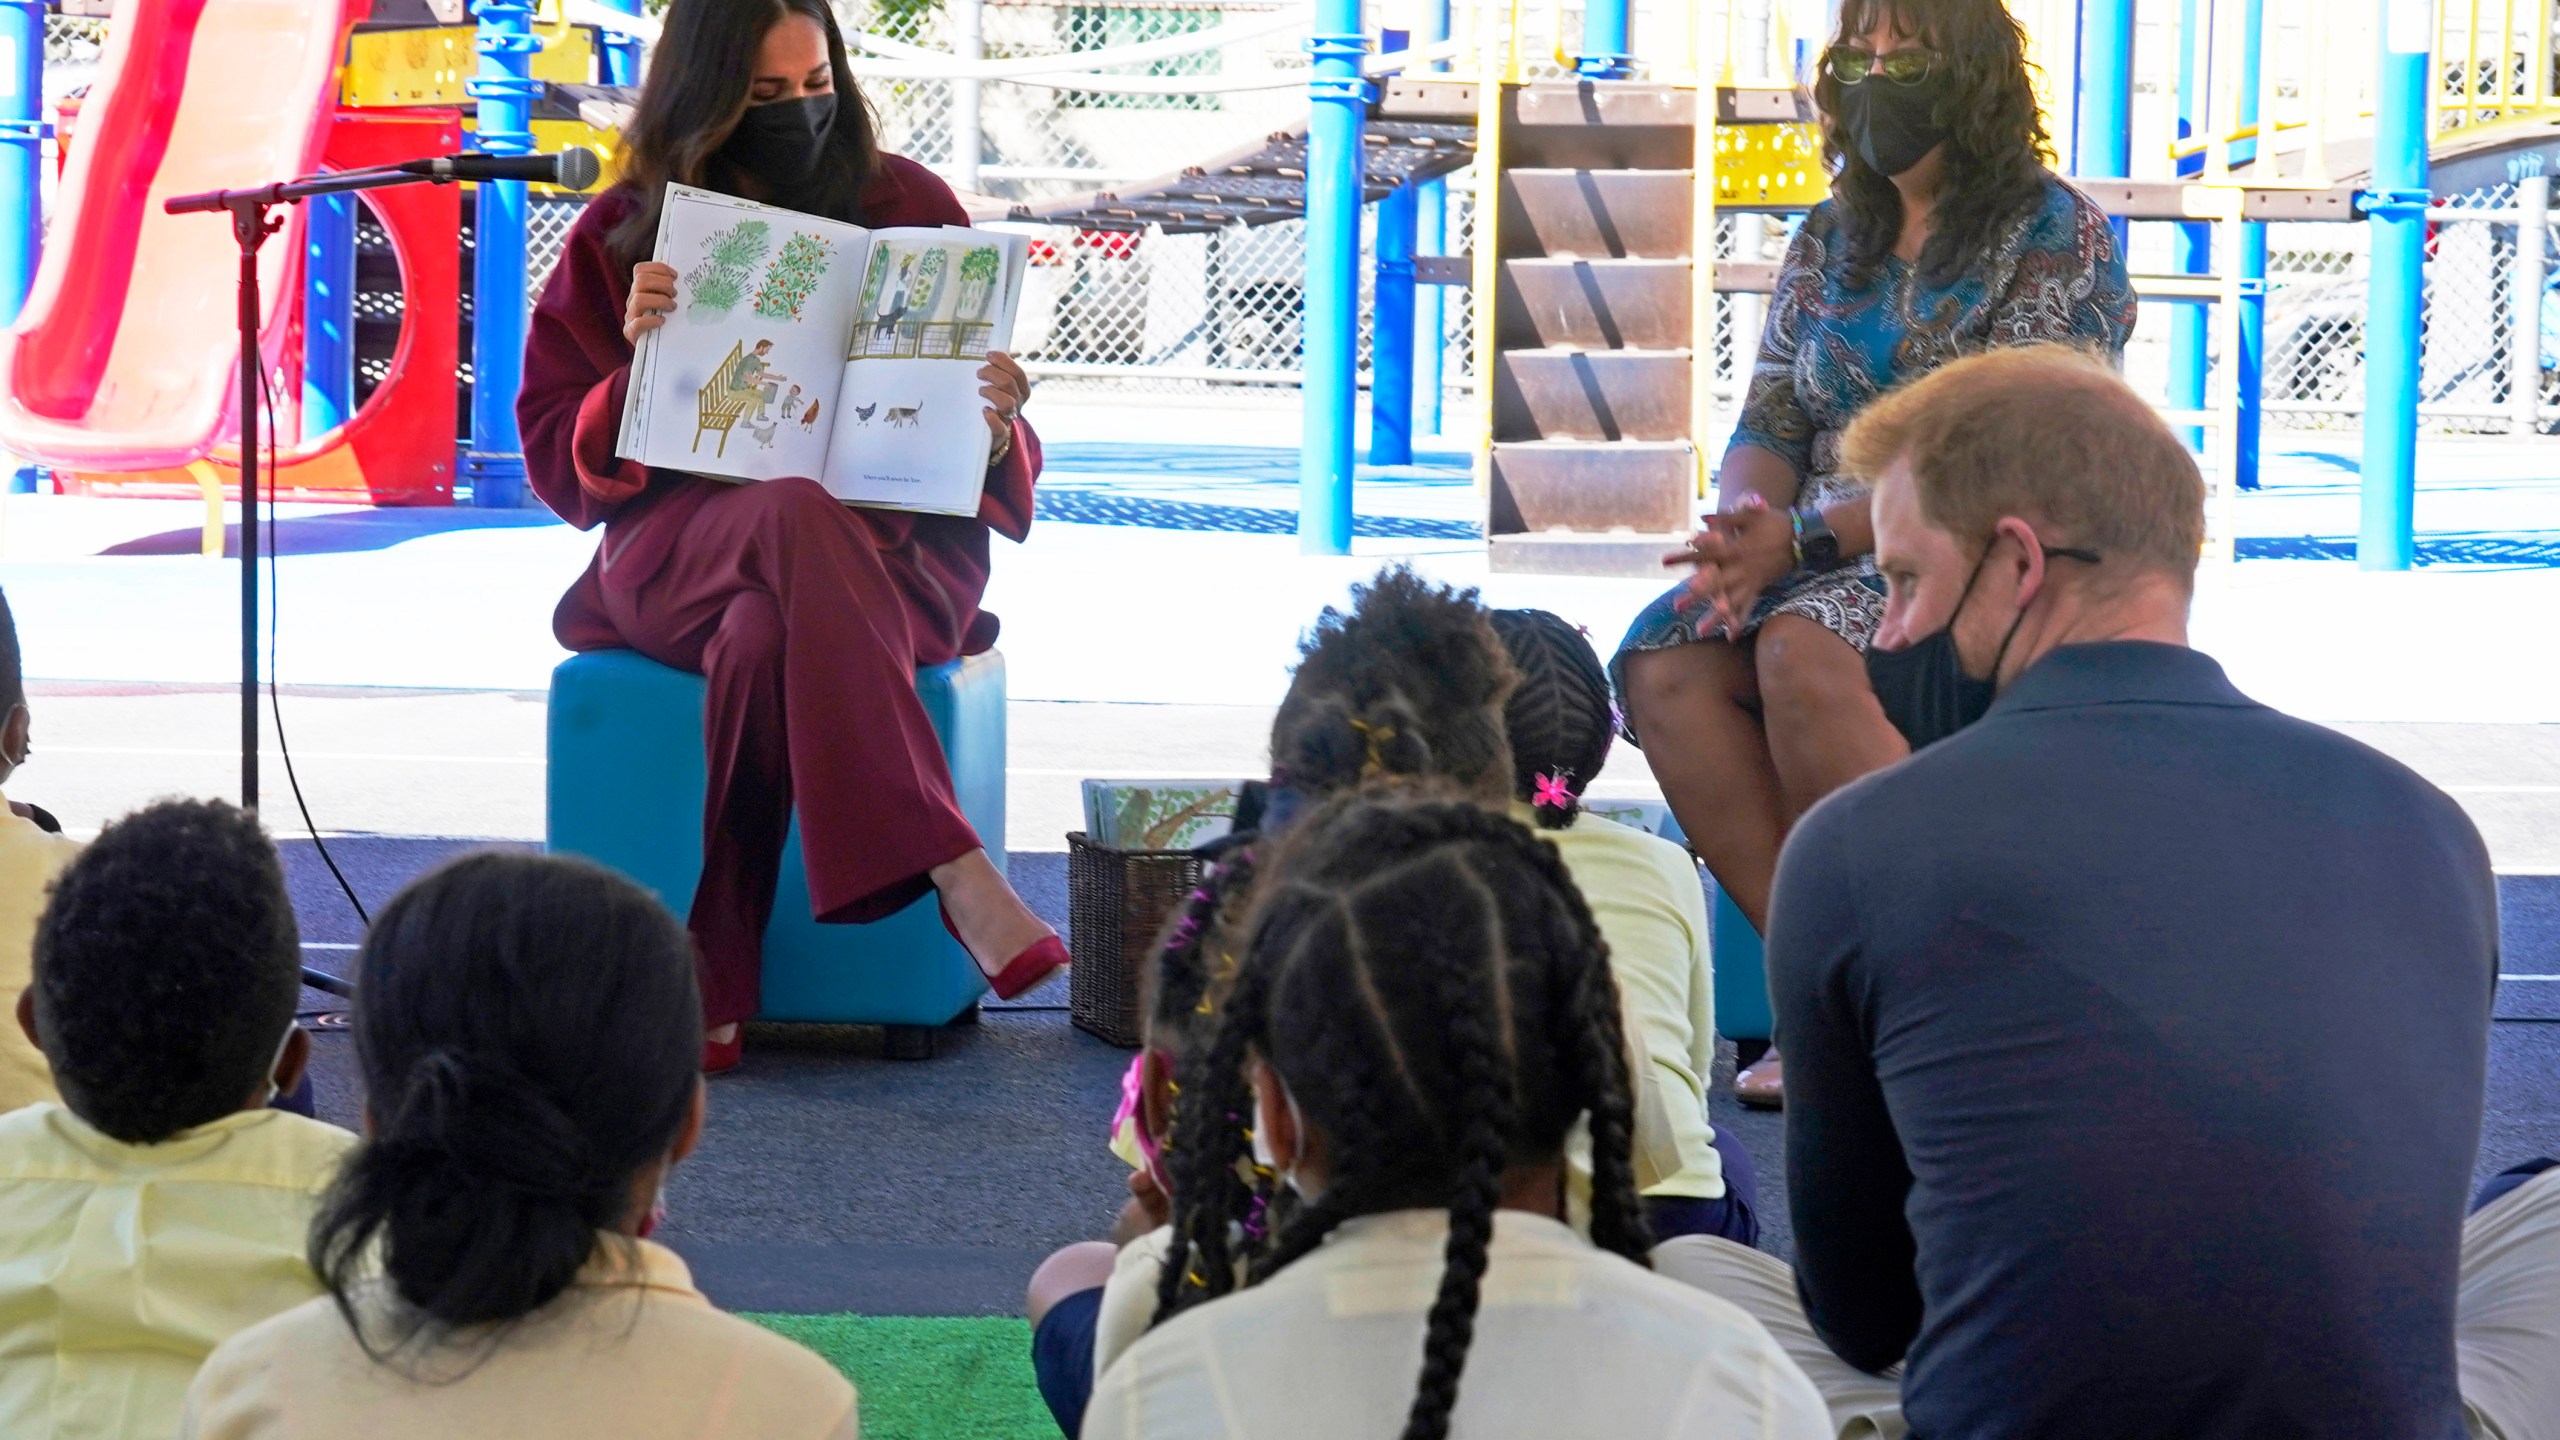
(780,143)
(1893,127)
(1924,687)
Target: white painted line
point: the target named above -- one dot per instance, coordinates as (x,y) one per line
(2555,978)
(325,945)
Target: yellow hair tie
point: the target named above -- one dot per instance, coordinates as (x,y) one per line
(1377,736)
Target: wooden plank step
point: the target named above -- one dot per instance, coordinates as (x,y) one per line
(1591,395)
(1597,214)
(1594,304)
(1631,487)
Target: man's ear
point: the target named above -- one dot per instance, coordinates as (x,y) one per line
(2023,560)
(27,1018)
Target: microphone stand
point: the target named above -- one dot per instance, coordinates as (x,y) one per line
(251,224)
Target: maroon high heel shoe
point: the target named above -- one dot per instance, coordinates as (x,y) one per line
(1044,958)
(719,1057)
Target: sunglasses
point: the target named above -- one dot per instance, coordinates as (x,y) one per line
(1852,66)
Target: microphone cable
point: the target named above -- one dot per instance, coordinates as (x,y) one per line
(275,698)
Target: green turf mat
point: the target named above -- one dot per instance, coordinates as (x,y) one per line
(931,1379)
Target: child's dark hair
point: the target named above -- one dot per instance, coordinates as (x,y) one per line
(1194,963)
(167,964)
(1559,715)
(1409,682)
(1426,979)
(13,672)
(530,1037)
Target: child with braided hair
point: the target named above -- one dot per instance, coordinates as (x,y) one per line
(1645,892)
(1423,1009)
(1090,1301)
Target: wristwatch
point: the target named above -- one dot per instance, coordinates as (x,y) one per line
(1817,549)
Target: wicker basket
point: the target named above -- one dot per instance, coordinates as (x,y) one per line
(1117,903)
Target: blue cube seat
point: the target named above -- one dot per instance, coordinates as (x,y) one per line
(1742,977)
(627,776)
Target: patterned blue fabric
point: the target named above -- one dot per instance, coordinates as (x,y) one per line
(1830,347)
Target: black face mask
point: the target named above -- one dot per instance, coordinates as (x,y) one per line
(779,144)
(1924,687)
(1894,127)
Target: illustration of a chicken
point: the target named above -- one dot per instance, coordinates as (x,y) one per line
(809,417)
(862,413)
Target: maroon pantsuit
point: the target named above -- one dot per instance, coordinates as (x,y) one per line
(807,617)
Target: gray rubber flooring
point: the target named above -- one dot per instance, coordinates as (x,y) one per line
(833,1179)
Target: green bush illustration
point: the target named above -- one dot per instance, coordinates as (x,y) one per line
(729,259)
(978,271)
(792,278)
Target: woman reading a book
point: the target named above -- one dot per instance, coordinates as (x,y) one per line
(808,617)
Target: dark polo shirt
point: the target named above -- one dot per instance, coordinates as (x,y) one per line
(2135,1046)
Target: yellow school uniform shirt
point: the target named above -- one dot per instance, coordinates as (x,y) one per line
(1644,892)
(122,1266)
(29,859)
(628,1351)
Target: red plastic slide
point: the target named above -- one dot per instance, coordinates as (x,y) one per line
(126,355)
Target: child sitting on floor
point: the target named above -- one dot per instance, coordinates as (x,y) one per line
(1645,893)
(1088,1302)
(530,1034)
(162,1206)
(1423,1010)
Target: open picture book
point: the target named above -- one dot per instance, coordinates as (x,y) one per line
(801,346)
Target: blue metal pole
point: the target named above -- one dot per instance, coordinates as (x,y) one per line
(22,132)
(2187,328)
(1339,103)
(2251,374)
(2104,134)
(1391,317)
(1604,41)
(1430,321)
(622,52)
(1431,230)
(505,91)
(328,313)
(2397,213)
(1391,338)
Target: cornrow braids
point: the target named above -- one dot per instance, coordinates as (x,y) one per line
(1425,978)
(1188,974)
(1559,716)
(1409,682)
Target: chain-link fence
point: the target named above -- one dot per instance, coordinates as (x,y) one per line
(2484,335)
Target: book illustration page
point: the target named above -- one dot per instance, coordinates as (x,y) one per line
(929,299)
(746,369)
(911,431)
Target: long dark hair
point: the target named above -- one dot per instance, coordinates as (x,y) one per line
(699,77)
(1996,146)
(530,1035)
(1560,718)
(1429,983)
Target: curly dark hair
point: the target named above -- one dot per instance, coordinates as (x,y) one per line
(167,964)
(1426,979)
(1560,718)
(1409,682)
(1996,150)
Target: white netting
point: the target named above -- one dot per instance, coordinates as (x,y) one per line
(546,227)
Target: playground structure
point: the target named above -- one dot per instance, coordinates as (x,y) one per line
(118,360)
(1611,296)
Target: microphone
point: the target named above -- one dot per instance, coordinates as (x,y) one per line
(573,169)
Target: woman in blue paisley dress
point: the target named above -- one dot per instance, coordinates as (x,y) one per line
(1747,685)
